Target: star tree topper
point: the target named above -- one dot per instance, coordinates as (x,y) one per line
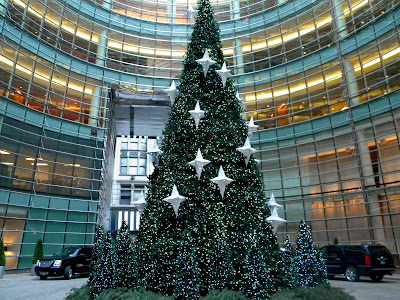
(206,62)
(252,127)
(172,92)
(224,73)
(155,152)
(222,181)
(197,114)
(191,13)
(140,204)
(238,97)
(275,220)
(247,150)
(272,201)
(199,163)
(175,199)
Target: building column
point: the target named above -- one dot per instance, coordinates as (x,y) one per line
(99,91)
(237,44)
(171,11)
(364,158)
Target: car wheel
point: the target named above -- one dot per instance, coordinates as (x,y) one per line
(68,273)
(351,274)
(376,278)
(43,277)
(331,277)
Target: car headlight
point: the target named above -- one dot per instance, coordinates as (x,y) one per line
(38,263)
(57,263)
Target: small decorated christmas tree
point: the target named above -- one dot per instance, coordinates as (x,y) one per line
(96,251)
(309,267)
(104,269)
(255,281)
(288,263)
(125,262)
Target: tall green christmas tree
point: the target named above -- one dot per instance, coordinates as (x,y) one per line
(206,178)
(309,267)
(125,261)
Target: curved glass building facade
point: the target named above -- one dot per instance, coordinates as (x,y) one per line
(320,78)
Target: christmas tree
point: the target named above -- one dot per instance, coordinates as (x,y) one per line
(288,263)
(308,266)
(125,261)
(206,184)
(98,243)
(255,282)
(103,274)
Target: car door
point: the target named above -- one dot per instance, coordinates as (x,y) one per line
(333,259)
(79,261)
(85,255)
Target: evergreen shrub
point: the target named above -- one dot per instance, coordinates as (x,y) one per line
(38,254)
(2,254)
(319,292)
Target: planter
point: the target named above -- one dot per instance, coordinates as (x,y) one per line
(2,271)
(33,270)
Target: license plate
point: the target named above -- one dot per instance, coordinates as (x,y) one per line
(382,262)
(43,273)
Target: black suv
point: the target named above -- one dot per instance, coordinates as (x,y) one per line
(354,261)
(66,262)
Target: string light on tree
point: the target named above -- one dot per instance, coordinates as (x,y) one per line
(206,62)
(224,73)
(252,127)
(199,163)
(172,92)
(247,150)
(222,181)
(197,114)
(191,13)
(175,199)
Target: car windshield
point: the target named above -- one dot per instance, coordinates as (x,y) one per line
(65,252)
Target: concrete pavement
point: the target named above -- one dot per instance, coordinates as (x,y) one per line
(365,289)
(26,287)
(23,286)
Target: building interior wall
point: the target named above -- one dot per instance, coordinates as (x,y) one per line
(320,78)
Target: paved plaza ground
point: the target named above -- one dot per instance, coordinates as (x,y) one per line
(22,286)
